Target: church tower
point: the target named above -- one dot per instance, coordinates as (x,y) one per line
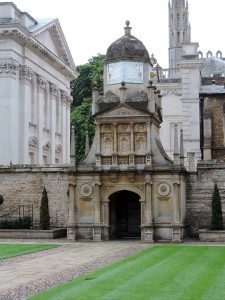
(179,29)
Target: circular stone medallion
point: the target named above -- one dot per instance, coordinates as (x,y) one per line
(86,190)
(163,189)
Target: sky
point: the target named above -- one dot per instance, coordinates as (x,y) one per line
(90,26)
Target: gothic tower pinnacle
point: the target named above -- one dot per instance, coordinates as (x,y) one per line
(179,29)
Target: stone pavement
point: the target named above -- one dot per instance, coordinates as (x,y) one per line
(30,268)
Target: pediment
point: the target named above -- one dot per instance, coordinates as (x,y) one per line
(123,110)
(50,35)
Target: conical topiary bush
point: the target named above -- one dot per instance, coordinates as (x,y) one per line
(44,211)
(217,216)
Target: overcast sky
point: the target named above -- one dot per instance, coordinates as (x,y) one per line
(90,26)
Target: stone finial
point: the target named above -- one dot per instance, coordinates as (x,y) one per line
(123,92)
(151,97)
(73,147)
(127,29)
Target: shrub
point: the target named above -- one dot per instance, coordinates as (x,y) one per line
(1,199)
(44,211)
(21,223)
(217,217)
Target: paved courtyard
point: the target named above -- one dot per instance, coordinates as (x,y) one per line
(26,275)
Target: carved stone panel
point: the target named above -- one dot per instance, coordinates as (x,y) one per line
(140,142)
(106,128)
(107,143)
(140,127)
(124,128)
(124,143)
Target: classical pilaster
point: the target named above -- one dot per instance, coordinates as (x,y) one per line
(66,99)
(71,230)
(132,148)
(54,93)
(97,211)
(42,86)
(177,226)
(115,145)
(98,144)
(147,228)
(105,219)
(149,149)
(26,76)
(10,106)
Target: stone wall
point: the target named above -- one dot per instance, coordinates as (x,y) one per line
(24,185)
(200,187)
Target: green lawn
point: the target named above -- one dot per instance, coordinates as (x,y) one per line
(162,272)
(11,250)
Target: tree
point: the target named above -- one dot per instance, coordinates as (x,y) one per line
(217,217)
(83,122)
(90,76)
(44,211)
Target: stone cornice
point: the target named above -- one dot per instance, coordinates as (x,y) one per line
(190,64)
(21,36)
(170,89)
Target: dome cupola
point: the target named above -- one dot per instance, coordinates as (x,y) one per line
(127,47)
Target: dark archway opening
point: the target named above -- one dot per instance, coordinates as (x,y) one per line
(125,215)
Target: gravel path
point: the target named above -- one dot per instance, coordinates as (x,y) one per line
(110,252)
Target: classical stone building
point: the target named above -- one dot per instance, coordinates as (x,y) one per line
(127,185)
(36,68)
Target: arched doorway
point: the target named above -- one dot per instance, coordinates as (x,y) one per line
(125,214)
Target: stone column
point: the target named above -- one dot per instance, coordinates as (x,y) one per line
(42,86)
(26,76)
(115,145)
(131,156)
(149,150)
(66,126)
(68,131)
(98,144)
(147,235)
(97,220)
(105,218)
(177,226)
(71,229)
(54,91)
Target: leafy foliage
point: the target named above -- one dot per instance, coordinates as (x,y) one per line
(83,122)
(90,76)
(21,223)
(44,211)
(217,217)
